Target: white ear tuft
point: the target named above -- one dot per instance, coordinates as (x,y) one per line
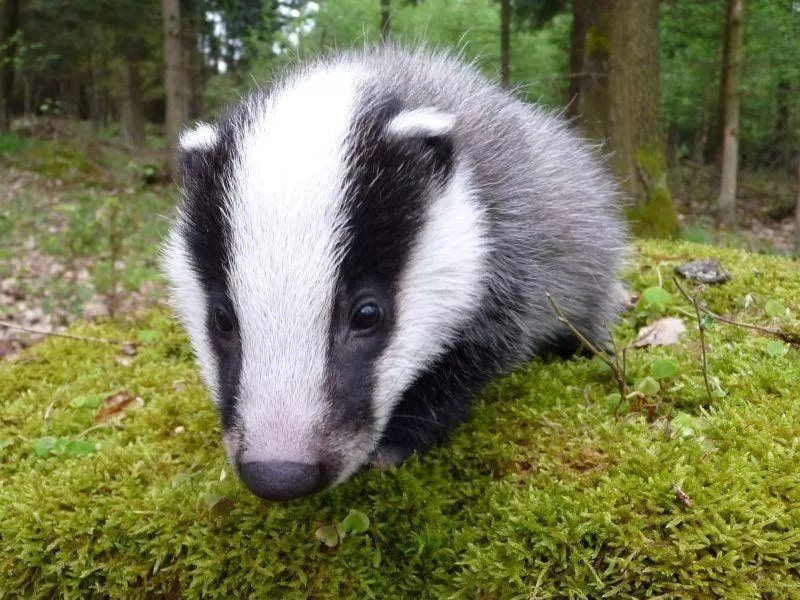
(200,137)
(427,121)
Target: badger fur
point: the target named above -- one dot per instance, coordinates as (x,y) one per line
(367,242)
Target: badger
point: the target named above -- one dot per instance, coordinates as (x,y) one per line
(364,244)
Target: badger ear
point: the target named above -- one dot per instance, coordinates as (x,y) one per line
(200,137)
(426,122)
(427,133)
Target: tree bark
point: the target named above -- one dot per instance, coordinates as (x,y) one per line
(577,53)
(174,75)
(132,106)
(619,102)
(8,29)
(731,74)
(505,42)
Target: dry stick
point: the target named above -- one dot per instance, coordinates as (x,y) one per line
(79,338)
(693,301)
(790,338)
(613,365)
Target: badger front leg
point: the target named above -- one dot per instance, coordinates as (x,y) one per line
(434,405)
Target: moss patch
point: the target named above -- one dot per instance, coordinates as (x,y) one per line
(543,493)
(656,215)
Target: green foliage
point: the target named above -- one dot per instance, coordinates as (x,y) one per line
(546,491)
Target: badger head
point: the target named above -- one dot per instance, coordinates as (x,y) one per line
(328,248)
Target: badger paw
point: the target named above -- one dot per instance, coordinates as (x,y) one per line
(388,455)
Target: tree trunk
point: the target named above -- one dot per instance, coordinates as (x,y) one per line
(132,107)
(797,210)
(192,59)
(783,127)
(505,42)
(386,20)
(8,29)
(731,73)
(577,53)
(619,101)
(174,76)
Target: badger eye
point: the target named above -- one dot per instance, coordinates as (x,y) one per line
(365,317)
(222,320)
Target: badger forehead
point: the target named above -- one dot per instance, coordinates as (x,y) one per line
(287,167)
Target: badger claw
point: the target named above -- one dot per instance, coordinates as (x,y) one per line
(388,455)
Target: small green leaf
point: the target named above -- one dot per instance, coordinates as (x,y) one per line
(328,535)
(707,321)
(44,445)
(655,299)
(209,499)
(6,443)
(86,401)
(684,424)
(612,400)
(147,335)
(376,558)
(662,368)
(775,348)
(648,386)
(79,447)
(355,522)
(775,309)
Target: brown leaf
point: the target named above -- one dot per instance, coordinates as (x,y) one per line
(117,406)
(128,349)
(682,497)
(662,332)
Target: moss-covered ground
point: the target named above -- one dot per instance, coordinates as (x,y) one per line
(548,491)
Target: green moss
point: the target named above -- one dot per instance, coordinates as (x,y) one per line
(543,493)
(654,216)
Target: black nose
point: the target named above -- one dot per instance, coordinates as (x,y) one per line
(278,480)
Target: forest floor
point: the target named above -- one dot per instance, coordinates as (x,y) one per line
(82,215)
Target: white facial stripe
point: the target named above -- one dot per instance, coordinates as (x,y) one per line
(439,289)
(189,301)
(287,224)
(201,137)
(421,121)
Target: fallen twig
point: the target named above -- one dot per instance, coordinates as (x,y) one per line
(69,336)
(702,328)
(792,339)
(613,364)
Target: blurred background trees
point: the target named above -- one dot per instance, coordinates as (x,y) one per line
(696,101)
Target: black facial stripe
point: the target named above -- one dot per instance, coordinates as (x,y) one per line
(389,181)
(205,173)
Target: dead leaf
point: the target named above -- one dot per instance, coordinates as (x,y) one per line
(682,496)
(128,349)
(117,406)
(662,332)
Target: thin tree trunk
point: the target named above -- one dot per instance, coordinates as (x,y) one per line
(132,106)
(192,59)
(797,210)
(783,128)
(174,75)
(505,42)
(594,101)
(386,20)
(577,53)
(8,29)
(731,73)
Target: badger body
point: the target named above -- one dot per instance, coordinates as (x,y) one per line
(367,242)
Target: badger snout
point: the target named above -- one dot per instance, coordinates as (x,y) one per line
(283,480)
